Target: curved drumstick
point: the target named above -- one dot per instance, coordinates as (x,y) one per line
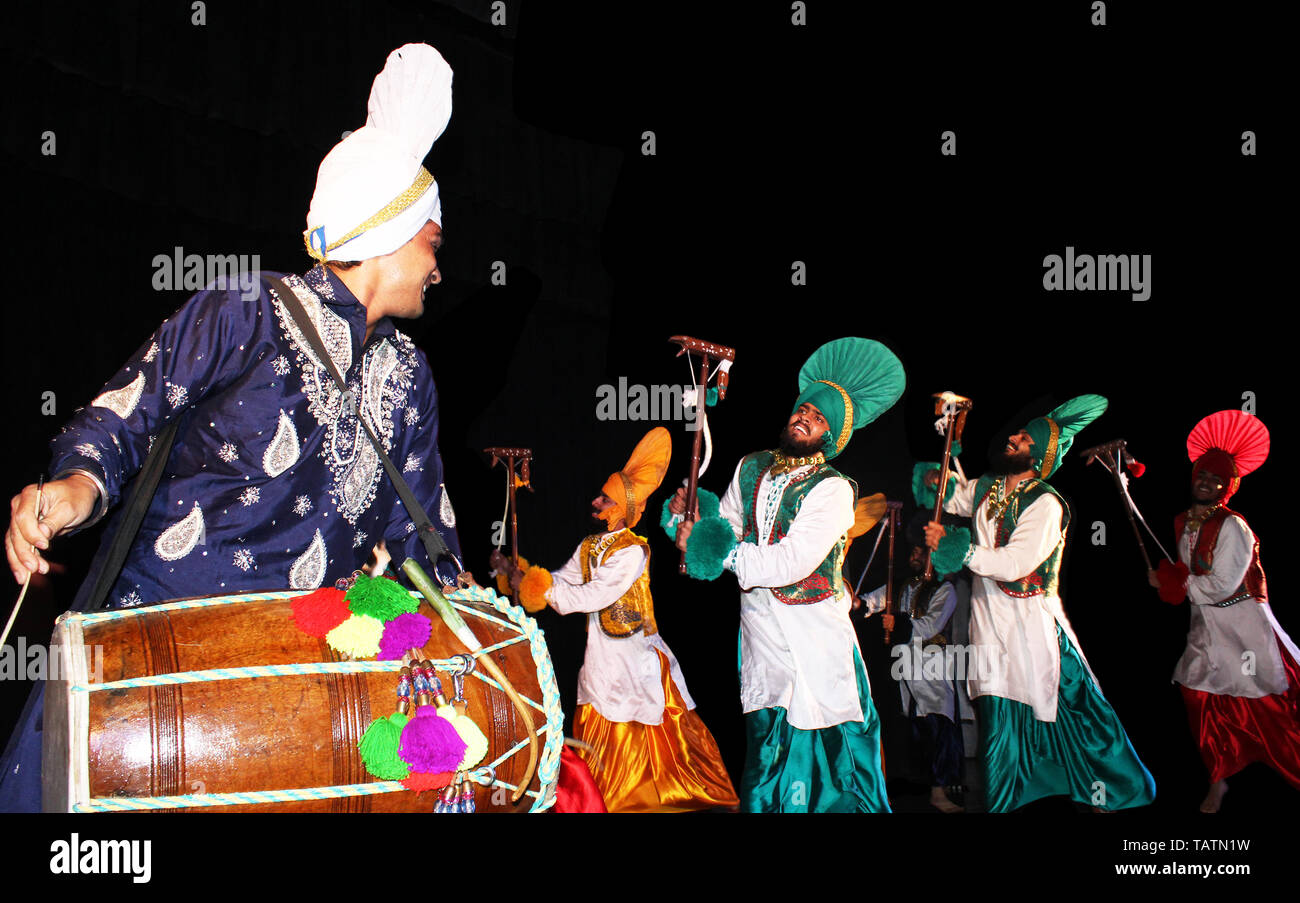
(457,624)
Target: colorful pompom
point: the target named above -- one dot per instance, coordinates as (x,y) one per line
(379,598)
(407,631)
(357,637)
(533,589)
(476,745)
(1136,468)
(503,578)
(712,540)
(378,748)
(431,744)
(320,611)
(419,781)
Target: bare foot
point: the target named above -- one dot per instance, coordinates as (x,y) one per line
(940,801)
(1214,799)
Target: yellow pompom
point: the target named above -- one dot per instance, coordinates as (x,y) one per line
(476,745)
(503,578)
(532,591)
(358,636)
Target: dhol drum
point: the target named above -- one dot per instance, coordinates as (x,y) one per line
(221,703)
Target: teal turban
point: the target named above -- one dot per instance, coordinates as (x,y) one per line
(852,382)
(1054,434)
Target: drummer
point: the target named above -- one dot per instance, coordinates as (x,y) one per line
(271,483)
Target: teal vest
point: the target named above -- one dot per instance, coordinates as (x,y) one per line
(822,583)
(1045,577)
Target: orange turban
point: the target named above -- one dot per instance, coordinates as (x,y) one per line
(640,477)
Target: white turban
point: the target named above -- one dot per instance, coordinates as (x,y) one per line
(372,192)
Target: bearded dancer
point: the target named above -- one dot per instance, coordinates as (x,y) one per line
(650,750)
(813,736)
(1239,675)
(1045,728)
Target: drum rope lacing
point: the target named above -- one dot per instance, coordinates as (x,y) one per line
(485,775)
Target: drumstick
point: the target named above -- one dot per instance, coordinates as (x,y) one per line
(13,615)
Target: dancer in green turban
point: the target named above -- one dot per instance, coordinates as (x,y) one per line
(813,733)
(1045,728)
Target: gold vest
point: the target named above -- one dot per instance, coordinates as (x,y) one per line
(635,610)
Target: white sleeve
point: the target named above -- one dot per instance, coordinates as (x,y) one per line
(1232,553)
(1037,533)
(732,507)
(963,498)
(825,515)
(942,605)
(568,594)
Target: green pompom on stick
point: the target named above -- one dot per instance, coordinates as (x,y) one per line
(378,747)
(706,501)
(950,557)
(712,540)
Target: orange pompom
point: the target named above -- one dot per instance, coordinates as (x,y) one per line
(421,781)
(503,578)
(532,591)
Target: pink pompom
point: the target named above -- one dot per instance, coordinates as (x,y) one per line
(430,744)
(408,631)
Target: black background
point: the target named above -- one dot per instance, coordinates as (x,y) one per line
(775,143)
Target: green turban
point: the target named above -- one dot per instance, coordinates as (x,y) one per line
(1054,434)
(851,381)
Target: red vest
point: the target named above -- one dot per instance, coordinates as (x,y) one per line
(1254,585)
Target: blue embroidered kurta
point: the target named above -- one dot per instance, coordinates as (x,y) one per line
(271,482)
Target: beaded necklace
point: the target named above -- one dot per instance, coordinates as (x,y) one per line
(998,504)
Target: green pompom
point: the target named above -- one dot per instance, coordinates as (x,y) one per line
(923,492)
(378,747)
(711,541)
(380,598)
(708,503)
(711,397)
(950,557)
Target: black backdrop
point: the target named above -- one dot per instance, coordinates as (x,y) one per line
(774,144)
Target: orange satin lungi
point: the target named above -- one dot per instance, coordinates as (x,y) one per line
(671,766)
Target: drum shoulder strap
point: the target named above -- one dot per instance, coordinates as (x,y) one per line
(432,539)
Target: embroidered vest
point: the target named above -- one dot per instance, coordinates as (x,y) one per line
(635,610)
(825,581)
(1254,586)
(1045,577)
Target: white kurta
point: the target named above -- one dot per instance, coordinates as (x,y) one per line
(799,657)
(620,675)
(933,695)
(1218,640)
(1016,655)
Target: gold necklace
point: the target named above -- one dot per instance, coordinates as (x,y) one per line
(998,504)
(781,464)
(1194,523)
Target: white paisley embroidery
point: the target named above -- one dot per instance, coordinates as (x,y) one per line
(180,538)
(444,508)
(283,451)
(122,401)
(309,570)
(382,387)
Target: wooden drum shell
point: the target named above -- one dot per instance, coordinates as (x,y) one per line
(249,734)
